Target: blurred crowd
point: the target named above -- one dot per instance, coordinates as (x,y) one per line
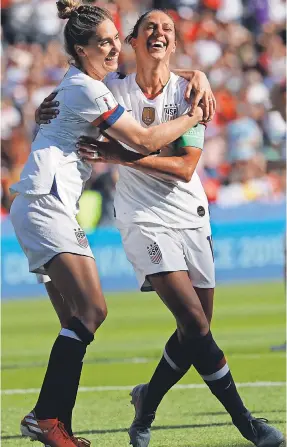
(239,44)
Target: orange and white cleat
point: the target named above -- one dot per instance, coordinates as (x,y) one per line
(81,442)
(50,432)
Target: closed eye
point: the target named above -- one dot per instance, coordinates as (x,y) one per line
(110,41)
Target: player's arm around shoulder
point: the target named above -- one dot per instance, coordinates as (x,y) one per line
(178,165)
(198,88)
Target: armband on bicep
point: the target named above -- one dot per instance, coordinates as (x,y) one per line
(193,137)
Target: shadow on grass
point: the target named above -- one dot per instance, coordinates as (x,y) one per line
(247,444)
(223,413)
(155,428)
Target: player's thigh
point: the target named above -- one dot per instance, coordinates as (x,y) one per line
(76,278)
(206,297)
(61,304)
(152,249)
(176,291)
(58,301)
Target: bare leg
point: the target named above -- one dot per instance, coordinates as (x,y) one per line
(176,291)
(76,278)
(206,297)
(81,312)
(60,304)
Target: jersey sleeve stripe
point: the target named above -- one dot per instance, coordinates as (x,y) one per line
(108,118)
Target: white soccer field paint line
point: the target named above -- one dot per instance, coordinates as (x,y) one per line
(96,389)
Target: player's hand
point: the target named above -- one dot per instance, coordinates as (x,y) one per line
(94,151)
(197,113)
(46,110)
(202,95)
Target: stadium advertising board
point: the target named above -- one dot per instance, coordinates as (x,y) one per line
(248,246)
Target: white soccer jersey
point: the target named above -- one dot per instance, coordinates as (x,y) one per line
(142,197)
(53,167)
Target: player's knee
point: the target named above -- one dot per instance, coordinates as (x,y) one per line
(191,331)
(193,324)
(81,330)
(100,313)
(95,315)
(64,317)
(64,321)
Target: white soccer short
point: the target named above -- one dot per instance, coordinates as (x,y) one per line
(42,279)
(153,249)
(44,228)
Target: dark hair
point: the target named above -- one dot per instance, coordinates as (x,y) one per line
(135,30)
(81,24)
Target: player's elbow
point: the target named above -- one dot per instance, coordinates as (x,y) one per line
(149,147)
(145,146)
(146,149)
(185,178)
(186,174)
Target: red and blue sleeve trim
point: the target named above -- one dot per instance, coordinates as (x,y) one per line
(109,118)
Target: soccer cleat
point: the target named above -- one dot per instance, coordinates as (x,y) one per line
(139,431)
(259,432)
(49,431)
(81,442)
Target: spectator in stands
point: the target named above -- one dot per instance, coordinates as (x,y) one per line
(244,57)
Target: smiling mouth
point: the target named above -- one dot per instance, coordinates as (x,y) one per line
(112,58)
(157,45)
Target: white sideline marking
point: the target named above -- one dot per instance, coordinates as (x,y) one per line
(95,389)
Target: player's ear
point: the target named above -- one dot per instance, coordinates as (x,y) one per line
(133,43)
(174,47)
(80,50)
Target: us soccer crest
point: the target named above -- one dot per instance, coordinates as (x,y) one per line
(148,115)
(170,112)
(154,253)
(81,238)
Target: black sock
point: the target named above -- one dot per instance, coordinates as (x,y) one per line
(171,368)
(210,362)
(61,377)
(226,392)
(66,410)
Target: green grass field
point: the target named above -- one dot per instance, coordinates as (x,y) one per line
(247,320)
